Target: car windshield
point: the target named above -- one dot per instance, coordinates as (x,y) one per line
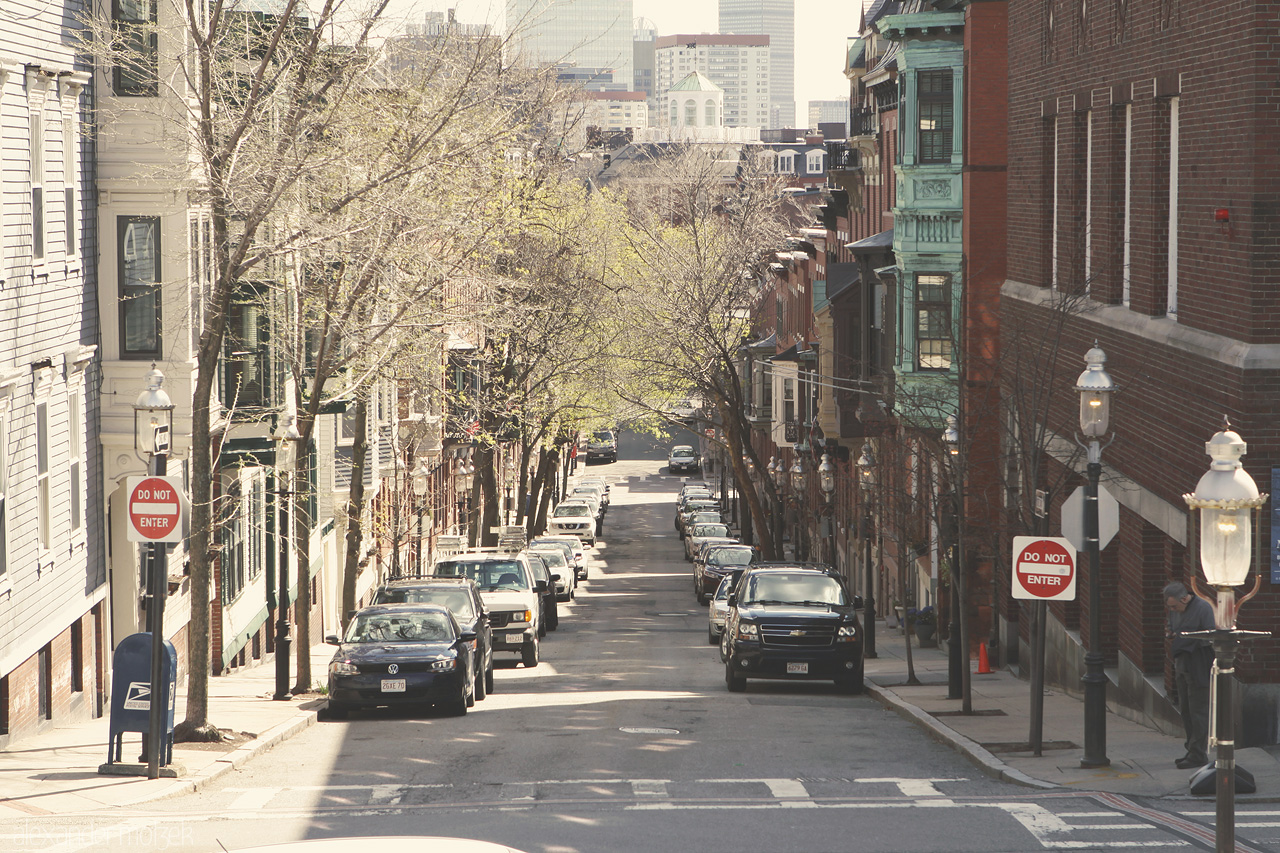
(489,575)
(602,437)
(799,589)
(399,628)
(711,530)
(682,451)
(571,511)
(458,602)
(730,557)
(553,557)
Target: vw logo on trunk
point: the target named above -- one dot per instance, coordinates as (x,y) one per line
(393,668)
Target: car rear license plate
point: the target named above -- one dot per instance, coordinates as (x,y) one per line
(517,637)
(797,669)
(393,685)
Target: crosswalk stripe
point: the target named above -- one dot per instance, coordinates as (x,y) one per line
(253,799)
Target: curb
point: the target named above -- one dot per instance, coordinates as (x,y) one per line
(304,718)
(971,749)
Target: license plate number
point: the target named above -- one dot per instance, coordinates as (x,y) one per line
(517,637)
(797,669)
(393,685)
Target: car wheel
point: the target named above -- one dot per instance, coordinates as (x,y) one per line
(336,712)
(470,701)
(457,707)
(737,684)
(713,639)
(488,679)
(480,688)
(529,653)
(724,647)
(553,620)
(852,683)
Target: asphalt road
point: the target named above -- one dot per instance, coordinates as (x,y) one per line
(626,739)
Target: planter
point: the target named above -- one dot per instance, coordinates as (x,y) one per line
(927,632)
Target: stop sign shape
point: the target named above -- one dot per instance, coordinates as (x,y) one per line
(1044,568)
(154,509)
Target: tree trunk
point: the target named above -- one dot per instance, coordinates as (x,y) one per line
(548,477)
(355,506)
(487,484)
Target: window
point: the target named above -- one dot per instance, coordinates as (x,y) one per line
(199,272)
(815,164)
(70,144)
(258,525)
(786,162)
(788,401)
(690,113)
(43,498)
(138,247)
(933,321)
(934,102)
(710,113)
(1171,287)
(248,366)
(675,113)
(36,126)
(77,657)
(1128,206)
(233,556)
(138,71)
(75,457)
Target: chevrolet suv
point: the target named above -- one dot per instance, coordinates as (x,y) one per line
(793,621)
(511,596)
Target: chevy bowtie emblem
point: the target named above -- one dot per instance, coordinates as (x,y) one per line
(797,633)
(393,668)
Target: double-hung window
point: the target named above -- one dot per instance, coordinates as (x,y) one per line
(44,498)
(75,456)
(933,321)
(70,145)
(36,127)
(137,72)
(934,102)
(138,251)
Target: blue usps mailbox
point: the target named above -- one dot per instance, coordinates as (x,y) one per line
(131,693)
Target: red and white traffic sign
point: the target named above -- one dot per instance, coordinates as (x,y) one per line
(1044,568)
(154,510)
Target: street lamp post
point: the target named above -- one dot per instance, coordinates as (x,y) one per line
(1226,498)
(827,482)
(957,648)
(867,481)
(460,492)
(287,436)
(798,477)
(152,431)
(1095,388)
(508,475)
(420,478)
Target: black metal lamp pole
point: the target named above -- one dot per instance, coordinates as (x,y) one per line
(866,478)
(1095,388)
(957,654)
(284,642)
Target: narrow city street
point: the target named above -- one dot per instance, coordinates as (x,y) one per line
(624,738)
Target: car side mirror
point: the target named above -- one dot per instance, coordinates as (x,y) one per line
(733,599)
(333,639)
(556,576)
(540,586)
(857,602)
(466,637)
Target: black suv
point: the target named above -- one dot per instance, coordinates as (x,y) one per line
(793,621)
(462,598)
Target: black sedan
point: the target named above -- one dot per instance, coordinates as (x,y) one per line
(404,656)
(462,598)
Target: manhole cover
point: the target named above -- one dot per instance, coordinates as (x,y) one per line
(643,730)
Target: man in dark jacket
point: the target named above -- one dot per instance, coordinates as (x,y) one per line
(1192,661)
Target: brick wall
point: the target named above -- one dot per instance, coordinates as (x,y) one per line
(65,701)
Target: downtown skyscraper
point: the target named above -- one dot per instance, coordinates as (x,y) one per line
(592,37)
(776,19)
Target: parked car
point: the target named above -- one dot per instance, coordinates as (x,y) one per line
(596,481)
(789,621)
(547,590)
(603,445)
(462,598)
(698,532)
(573,519)
(597,510)
(683,410)
(511,596)
(590,490)
(715,562)
(692,507)
(559,558)
(401,655)
(718,612)
(580,557)
(683,458)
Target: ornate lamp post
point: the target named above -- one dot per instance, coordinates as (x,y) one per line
(957,650)
(827,483)
(798,482)
(420,478)
(1095,388)
(867,481)
(508,478)
(460,491)
(287,435)
(1226,498)
(152,428)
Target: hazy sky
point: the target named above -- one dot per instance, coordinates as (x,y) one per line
(821,29)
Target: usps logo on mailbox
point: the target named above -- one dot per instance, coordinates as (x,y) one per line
(1044,568)
(154,510)
(139,696)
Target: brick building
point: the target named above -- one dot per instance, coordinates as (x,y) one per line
(1142,175)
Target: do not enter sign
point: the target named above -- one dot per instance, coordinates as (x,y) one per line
(1044,568)
(154,510)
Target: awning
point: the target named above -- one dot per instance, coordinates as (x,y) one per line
(768,343)
(875,243)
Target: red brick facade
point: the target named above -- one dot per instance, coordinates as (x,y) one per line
(1099,106)
(63,681)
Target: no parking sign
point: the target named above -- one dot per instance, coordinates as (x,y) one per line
(1044,568)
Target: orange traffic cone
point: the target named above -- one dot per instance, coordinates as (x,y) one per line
(984,666)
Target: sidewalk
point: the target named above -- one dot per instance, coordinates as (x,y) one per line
(995,736)
(57,772)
